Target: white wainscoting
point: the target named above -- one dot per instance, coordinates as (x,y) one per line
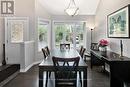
(27,55)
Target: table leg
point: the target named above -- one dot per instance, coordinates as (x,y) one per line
(46,78)
(40,78)
(85,77)
(114,81)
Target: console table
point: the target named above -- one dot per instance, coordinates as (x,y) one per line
(119,66)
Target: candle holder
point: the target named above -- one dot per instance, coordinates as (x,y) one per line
(121,48)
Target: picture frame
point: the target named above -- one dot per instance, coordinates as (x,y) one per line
(118,23)
(95,46)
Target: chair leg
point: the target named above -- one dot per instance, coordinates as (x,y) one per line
(49,74)
(46,79)
(80,78)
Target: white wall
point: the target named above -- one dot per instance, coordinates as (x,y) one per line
(25,8)
(41,13)
(1,39)
(27,55)
(106,7)
(22,9)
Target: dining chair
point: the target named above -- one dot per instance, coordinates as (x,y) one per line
(80,49)
(65,71)
(67,46)
(81,53)
(48,53)
(44,51)
(47,50)
(64,46)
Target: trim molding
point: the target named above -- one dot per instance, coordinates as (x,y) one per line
(28,67)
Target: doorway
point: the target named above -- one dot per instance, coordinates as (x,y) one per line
(16,32)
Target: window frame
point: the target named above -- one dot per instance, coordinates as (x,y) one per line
(44,21)
(70,22)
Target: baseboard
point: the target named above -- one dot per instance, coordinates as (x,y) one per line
(28,67)
(8,79)
(37,62)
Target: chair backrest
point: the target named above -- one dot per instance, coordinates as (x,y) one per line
(65,70)
(65,46)
(82,52)
(81,49)
(44,53)
(47,50)
(62,46)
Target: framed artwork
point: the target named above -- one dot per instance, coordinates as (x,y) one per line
(95,46)
(17,28)
(118,23)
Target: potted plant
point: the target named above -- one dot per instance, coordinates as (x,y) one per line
(103,45)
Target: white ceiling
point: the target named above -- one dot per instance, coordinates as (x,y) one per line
(57,7)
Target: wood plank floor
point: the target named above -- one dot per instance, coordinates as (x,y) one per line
(96,78)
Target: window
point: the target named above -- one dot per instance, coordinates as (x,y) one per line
(71,33)
(43,28)
(79,30)
(63,34)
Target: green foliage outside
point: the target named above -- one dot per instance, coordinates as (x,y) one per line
(65,32)
(42,32)
(62,31)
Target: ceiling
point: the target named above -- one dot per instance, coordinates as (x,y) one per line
(57,7)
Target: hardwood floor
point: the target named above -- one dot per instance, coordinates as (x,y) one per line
(96,78)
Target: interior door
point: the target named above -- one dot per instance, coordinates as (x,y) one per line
(16,32)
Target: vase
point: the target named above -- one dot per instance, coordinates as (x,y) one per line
(103,48)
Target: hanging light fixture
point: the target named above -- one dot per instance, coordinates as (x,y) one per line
(72,9)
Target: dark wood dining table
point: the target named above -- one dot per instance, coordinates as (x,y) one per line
(47,64)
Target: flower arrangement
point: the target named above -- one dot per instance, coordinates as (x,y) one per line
(103,43)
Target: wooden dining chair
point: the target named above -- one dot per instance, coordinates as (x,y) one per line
(44,51)
(81,53)
(67,46)
(47,50)
(64,46)
(65,71)
(81,48)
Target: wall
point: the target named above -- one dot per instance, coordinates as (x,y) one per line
(40,13)
(1,39)
(25,8)
(27,55)
(106,7)
(22,9)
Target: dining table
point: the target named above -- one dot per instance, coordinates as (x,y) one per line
(47,64)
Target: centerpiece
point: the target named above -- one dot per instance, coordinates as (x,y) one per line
(103,45)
